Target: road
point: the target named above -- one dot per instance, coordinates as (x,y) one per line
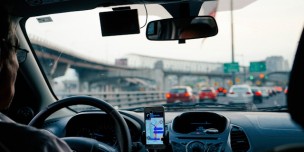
(274,101)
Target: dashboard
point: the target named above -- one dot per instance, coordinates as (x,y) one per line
(190,131)
(100,127)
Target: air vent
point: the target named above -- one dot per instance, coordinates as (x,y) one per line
(239,141)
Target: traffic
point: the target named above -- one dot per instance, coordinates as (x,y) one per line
(257,97)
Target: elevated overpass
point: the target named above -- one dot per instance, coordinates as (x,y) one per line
(57,61)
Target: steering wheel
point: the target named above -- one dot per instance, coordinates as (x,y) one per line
(82,143)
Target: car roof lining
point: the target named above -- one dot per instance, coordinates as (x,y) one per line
(27,8)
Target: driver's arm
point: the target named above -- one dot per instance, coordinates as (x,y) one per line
(18,137)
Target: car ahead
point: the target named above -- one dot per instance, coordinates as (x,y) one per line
(221,91)
(240,94)
(272,91)
(278,89)
(286,90)
(257,94)
(265,92)
(72,60)
(180,94)
(207,93)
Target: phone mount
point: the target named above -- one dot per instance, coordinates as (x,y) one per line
(165,138)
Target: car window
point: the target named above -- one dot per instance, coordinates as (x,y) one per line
(255,89)
(206,90)
(178,90)
(240,89)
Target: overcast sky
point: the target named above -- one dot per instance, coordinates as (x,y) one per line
(256,37)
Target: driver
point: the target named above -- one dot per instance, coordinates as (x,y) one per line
(15,136)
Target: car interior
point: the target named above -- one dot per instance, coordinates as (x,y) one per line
(215,127)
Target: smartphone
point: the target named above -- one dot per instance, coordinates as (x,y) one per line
(154,127)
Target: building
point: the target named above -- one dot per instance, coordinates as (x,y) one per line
(276,63)
(121,62)
(142,61)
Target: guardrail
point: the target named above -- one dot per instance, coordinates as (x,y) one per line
(123,99)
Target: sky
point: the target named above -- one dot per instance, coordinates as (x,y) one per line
(255,37)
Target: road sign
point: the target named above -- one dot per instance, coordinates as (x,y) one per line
(257,66)
(231,67)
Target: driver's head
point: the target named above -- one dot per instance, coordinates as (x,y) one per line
(8,59)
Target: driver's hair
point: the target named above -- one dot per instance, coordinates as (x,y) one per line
(7,34)
(5,21)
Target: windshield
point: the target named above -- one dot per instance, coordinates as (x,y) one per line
(255,45)
(240,89)
(178,90)
(206,90)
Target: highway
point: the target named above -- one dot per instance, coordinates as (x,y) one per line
(276,100)
(142,99)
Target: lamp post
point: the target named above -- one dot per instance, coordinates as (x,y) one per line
(232,39)
(244,67)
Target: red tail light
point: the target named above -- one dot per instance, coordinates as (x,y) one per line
(187,94)
(258,93)
(231,92)
(225,91)
(248,92)
(168,95)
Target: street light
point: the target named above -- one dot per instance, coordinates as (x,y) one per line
(232,39)
(243,63)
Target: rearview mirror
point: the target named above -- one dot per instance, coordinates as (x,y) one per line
(182,28)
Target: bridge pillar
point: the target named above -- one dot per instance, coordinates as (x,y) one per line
(102,86)
(167,82)
(179,80)
(84,86)
(209,81)
(87,77)
(159,76)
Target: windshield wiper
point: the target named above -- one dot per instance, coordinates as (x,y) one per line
(274,109)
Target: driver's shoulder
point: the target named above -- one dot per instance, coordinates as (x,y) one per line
(4,118)
(30,138)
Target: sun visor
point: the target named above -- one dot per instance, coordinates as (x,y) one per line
(119,22)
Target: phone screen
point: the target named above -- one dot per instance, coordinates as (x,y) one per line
(155,127)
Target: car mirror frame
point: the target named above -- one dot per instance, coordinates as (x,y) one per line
(182,28)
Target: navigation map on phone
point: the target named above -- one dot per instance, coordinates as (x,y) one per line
(154,128)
